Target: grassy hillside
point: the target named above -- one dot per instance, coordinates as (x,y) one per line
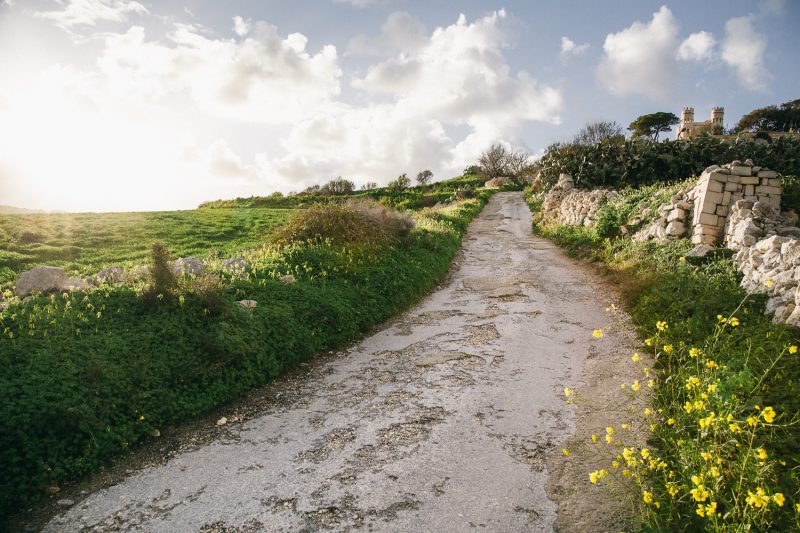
(88,374)
(84,243)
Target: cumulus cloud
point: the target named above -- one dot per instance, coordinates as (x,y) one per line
(697,47)
(641,58)
(261,78)
(458,77)
(241,27)
(569,48)
(90,12)
(400,33)
(743,49)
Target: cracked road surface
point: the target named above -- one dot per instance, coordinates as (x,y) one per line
(441,421)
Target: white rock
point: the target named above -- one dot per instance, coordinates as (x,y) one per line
(248,304)
(188,265)
(288,279)
(222,421)
(701,250)
(236,265)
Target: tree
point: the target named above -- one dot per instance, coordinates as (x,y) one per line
(493,162)
(424,177)
(653,124)
(368,186)
(402,182)
(338,185)
(771,118)
(596,132)
(518,163)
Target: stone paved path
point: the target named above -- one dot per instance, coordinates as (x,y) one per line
(441,421)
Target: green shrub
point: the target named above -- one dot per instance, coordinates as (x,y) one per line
(161,280)
(636,162)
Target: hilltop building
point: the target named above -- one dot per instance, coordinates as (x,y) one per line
(688,128)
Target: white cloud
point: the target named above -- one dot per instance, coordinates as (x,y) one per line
(641,58)
(457,77)
(89,12)
(400,33)
(569,48)
(697,47)
(743,49)
(241,27)
(261,78)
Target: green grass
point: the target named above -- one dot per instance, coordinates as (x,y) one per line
(84,243)
(754,369)
(87,375)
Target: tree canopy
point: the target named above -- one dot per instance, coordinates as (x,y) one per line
(771,118)
(651,125)
(594,132)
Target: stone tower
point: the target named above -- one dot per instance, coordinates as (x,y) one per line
(717,114)
(687,116)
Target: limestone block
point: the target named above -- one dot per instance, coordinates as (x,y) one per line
(676,214)
(775,202)
(766,189)
(767,174)
(715,186)
(732,186)
(710,207)
(708,219)
(722,210)
(734,179)
(750,180)
(675,228)
(726,198)
(774,182)
(749,190)
(771,243)
(741,171)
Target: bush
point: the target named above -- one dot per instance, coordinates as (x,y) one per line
(633,162)
(364,222)
(162,280)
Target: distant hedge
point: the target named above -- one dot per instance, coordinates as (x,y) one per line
(618,163)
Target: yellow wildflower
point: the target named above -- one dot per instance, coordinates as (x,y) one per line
(688,407)
(597,334)
(751,421)
(626,473)
(615,464)
(594,439)
(779,499)
(711,364)
(649,342)
(769,282)
(694,352)
(761,453)
(648,412)
(699,493)
(672,489)
(667,348)
(645,453)
(636,358)
(609,439)
(610,430)
(670,421)
(758,498)
(735,428)
(567,392)
(635,386)
(662,326)
(692,382)
(769,414)
(565,451)
(734,322)
(721,319)
(647,497)
(712,388)
(706,456)
(597,475)
(792,349)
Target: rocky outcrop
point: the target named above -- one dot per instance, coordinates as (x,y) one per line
(496,183)
(567,205)
(236,265)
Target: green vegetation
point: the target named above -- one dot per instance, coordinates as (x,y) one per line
(772,118)
(651,125)
(396,197)
(87,375)
(619,163)
(84,243)
(725,386)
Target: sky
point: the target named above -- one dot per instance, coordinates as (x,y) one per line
(122,105)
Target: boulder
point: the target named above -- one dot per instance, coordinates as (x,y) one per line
(701,250)
(112,274)
(676,228)
(496,183)
(288,278)
(236,265)
(41,279)
(746,233)
(248,304)
(188,265)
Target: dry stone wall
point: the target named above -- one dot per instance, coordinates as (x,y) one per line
(567,205)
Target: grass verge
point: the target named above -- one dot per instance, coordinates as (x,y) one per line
(724,392)
(87,375)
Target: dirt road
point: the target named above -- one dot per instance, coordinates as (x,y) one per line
(445,420)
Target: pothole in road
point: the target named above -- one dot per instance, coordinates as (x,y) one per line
(333,441)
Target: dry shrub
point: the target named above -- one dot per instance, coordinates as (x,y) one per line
(357,221)
(162,282)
